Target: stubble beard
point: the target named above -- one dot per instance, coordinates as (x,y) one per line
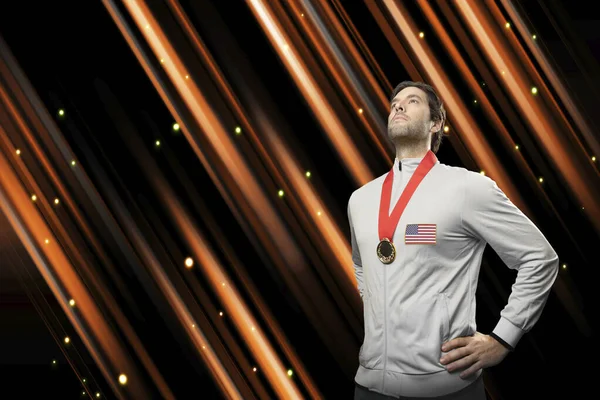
(407,134)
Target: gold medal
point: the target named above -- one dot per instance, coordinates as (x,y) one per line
(386,251)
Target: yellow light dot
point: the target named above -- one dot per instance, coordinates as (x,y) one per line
(34,197)
(290,372)
(47,241)
(157,143)
(421,35)
(583,208)
(83,380)
(502,72)
(61,112)
(162,60)
(252,329)
(564,266)
(53,361)
(189,262)
(187,77)
(594,158)
(97,394)
(204,347)
(176,126)
(67,340)
(319,213)
(280,193)
(56,201)
(482,172)
(446,128)
(507,25)
(254,369)
(534,37)
(18,151)
(360,110)
(193,325)
(302,15)
(475,101)
(517,147)
(541,179)
(221,313)
(83,393)
(238,130)
(534,90)
(73,162)
(72,302)
(223,284)
(147,26)
(308,174)
(122,379)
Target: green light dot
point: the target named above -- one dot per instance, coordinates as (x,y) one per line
(238,130)
(534,90)
(175,126)
(157,143)
(61,112)
(280,193)
(290,372)
(308,174)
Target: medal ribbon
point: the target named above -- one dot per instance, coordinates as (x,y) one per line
(388,223)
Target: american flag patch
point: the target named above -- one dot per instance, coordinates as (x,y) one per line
(420,234)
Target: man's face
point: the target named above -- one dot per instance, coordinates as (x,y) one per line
(409,116)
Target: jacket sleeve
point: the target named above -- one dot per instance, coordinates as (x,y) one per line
(490,216)
(358,270)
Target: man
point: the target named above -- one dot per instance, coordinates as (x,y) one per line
(418,234)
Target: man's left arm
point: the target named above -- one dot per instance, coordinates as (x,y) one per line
(489,215)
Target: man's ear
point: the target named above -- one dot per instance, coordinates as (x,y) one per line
(435,126)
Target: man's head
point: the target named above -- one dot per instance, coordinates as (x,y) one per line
(417,115)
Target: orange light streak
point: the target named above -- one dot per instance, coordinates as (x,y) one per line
(31,229)
(557,85)
(475,140)
(335,130)
(576,173)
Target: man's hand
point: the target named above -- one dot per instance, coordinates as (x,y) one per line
(472,352)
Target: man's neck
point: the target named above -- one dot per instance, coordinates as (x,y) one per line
(411,151)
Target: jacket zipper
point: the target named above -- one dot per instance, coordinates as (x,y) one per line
(385,355)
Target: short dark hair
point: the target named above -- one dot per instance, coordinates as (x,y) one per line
(436,108)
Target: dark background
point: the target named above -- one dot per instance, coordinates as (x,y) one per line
(65,47)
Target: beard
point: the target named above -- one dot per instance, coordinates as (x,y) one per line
(407,132)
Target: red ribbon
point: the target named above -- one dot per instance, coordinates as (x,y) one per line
(388,223)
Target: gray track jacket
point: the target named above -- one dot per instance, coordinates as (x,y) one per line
(426,296)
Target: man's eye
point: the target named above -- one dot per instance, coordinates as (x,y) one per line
(413,100)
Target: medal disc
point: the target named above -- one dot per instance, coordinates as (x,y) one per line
(386,251)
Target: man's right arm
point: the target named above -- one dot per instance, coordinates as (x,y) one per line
(358,270)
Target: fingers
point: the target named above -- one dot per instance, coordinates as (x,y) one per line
(462,363)
(455,343)
(455,355)
(471,370)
